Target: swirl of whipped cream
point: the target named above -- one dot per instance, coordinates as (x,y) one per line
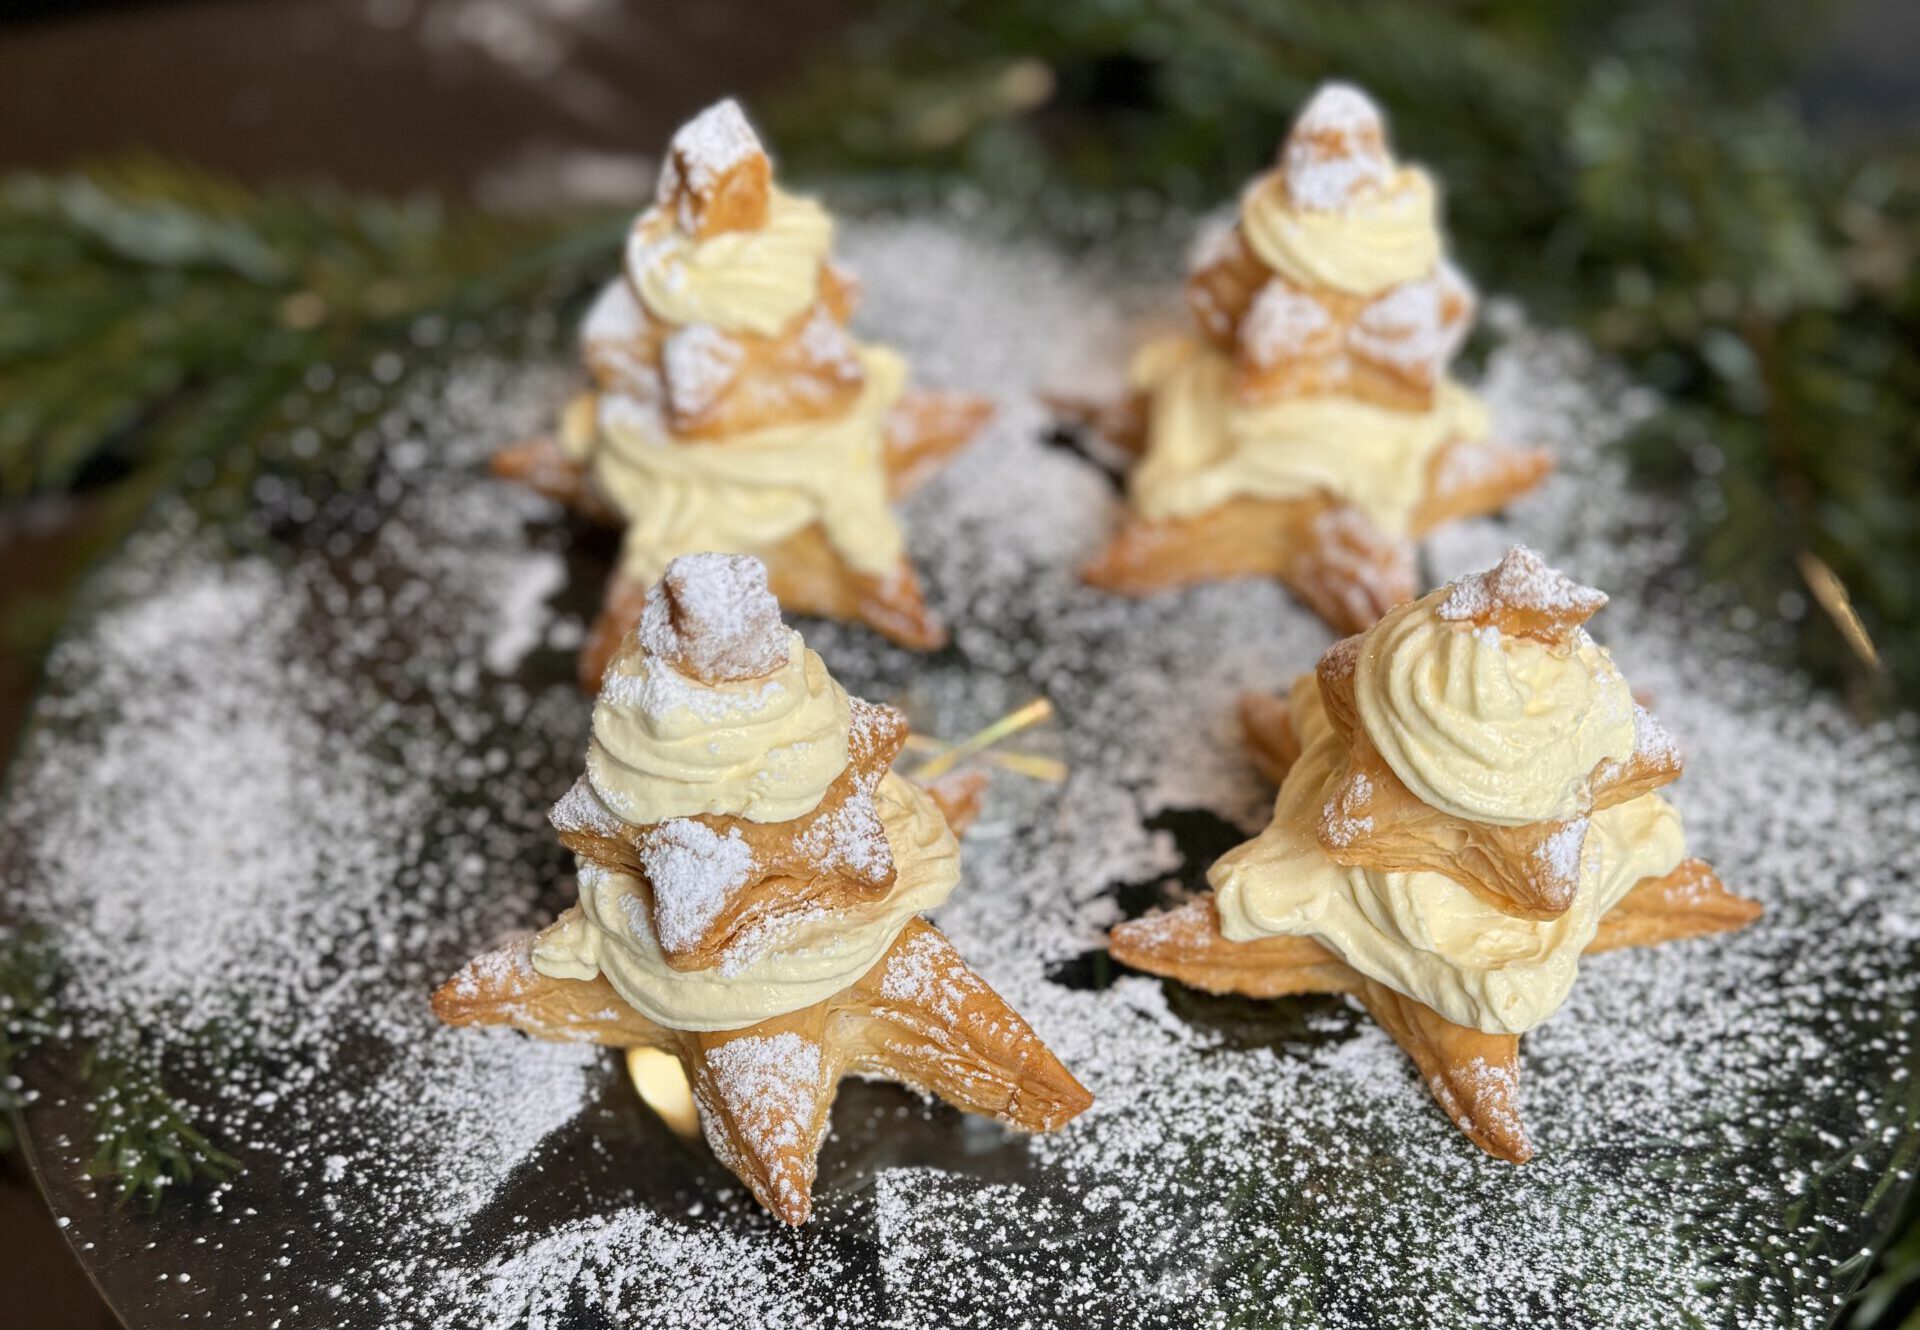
(738,281)
(666,746)
(755,488)
(1208,449)
(1423,934)
(612,934)
(1485,726)
(1380,238)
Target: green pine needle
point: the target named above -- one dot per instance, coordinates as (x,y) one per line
(151,315)
(145,1145)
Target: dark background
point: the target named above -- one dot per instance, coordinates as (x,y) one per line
(1726,201)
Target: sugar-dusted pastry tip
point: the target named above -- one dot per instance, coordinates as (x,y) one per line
(700,365)
(1285,323)
(1338,107)
(716,175)
(706,148)
(712,618)
(1521,595)
(1337,145)
(694,871)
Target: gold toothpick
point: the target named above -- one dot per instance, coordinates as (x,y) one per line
(1832,595)
(950,755)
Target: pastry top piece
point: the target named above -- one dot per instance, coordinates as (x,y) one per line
(1521,597)
(716,177)
(712,618)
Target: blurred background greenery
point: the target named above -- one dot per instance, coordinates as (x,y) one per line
(1724,195)
(1645,172)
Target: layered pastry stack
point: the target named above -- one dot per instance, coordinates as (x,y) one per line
(751,875)
(733,411)
(1467,806)
(1309,430)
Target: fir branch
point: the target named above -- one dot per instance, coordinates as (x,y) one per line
(162,327)
(145,294)
(26,1008)
(145,1142)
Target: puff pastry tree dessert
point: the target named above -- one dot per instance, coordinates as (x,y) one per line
(1466,807)
(1308,429)
(752,874)
(732,410)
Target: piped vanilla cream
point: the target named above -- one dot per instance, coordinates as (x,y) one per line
(752,489)
(665,745)
(1486,726)
(1386,234)
(1209,448)
(754,281)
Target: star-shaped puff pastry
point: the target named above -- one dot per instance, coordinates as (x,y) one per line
(704,384)
(1373,821)
(919,1015)
(1292,334)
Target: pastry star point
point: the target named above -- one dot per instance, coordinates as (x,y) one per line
(921,1016)
(1472,1074)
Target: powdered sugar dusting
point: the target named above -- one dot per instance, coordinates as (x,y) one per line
(712,617)
(1281,324)
(764,1087)
(1520,581)
(1559,854)
(706,148)
(1717,1123)
(828,345)
(693,871)
(1651,740)
(700,363)
(850,836)
(655,688)
(580,809)
(1335,149)
(1344,820)
(1407,327)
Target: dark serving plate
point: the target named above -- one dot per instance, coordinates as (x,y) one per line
(291,768)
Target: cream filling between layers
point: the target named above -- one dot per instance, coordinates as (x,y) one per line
(667,746)
(1485,726)
(1205,449)
(1423,934)
(611,933)
(747,491)
(738,281)
(1382,238)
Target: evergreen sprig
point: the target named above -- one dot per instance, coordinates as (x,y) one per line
(145,1143)
(160,326)
(26,1004)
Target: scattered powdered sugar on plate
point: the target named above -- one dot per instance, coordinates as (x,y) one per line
(269,802)
(527,585)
